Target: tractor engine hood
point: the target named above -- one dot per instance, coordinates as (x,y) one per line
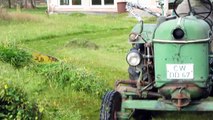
(181,57)
(182,30)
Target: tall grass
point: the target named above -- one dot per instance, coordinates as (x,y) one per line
(17,17)
(61,75)
(78,79)
(15,56)
(4,15)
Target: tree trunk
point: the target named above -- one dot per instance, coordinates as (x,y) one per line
(25,3)
(9,3)
(29,3)
(32,3)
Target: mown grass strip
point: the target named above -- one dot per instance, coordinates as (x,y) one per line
(54,36)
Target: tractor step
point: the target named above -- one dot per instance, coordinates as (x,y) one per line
(157,105)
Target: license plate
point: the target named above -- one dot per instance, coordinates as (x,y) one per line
(180,71)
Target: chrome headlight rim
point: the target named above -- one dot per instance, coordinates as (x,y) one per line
(133,58)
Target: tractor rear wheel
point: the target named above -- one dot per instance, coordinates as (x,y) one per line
(111,104)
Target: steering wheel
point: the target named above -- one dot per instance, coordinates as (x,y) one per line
(206,4)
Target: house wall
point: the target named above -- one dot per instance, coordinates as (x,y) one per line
(86,5)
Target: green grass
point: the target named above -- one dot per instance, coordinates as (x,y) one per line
(97,44)
(54,35)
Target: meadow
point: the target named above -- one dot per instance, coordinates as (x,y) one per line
(91,50)
(91,47)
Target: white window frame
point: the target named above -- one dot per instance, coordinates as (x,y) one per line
(102,5)
(70,3)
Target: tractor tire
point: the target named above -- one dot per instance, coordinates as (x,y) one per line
(142,115)
(111,104)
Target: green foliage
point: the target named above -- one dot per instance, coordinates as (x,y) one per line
(15,56)
(63,75)
(15,105)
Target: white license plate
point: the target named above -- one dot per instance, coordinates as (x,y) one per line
(180,71)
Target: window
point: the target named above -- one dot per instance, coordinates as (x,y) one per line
(64,2)
(96,2)
(108,2)
(76,2)
(102,2)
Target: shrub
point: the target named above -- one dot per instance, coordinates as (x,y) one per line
(15,105)
(19,17)
(68,76)
(15,56)
(24,17)
(4,15)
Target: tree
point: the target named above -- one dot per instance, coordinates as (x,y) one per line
(33,3)
(21,3)
(9,4)
(28,3)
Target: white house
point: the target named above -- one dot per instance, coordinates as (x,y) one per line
(91,5)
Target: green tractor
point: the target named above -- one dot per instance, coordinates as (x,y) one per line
(170,66)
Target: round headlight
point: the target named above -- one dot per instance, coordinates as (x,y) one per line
(133,58)
(178,33)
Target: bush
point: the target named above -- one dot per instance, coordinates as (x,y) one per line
(19,17)
(4,15)
(15,105)
(15,56)
(24,17)
(68,76)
